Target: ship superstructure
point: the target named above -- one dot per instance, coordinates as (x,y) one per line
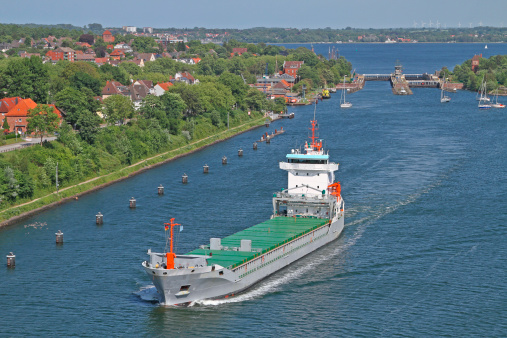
(306,215)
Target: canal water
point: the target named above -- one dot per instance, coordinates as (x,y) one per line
(423,251)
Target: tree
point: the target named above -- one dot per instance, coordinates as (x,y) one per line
(117,108)
(5,125)
(88,38)
(72,102)
(83,80)
(88,124)
(26,78)
(41,120)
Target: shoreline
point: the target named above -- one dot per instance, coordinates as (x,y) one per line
(126,175)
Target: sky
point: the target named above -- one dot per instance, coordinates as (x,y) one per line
(243,14)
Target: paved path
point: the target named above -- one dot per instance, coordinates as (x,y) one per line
(27,143)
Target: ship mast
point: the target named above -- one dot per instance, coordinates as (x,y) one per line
(171,255)
(314,145)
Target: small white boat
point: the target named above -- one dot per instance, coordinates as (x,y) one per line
(496,104)
(486,47)
(343,101)
(444,98)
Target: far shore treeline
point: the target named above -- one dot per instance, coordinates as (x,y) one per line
(280,35)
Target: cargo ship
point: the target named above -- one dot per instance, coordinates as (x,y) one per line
(306,216)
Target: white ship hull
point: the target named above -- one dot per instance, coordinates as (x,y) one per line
(224,283)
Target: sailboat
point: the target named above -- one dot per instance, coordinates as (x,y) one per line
(486,47)
(444,98)
(482,94)
(483,100)
(496,104)
(343,101)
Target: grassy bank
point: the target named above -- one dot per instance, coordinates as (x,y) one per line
(17,212)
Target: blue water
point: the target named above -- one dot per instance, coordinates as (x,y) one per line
(423,252)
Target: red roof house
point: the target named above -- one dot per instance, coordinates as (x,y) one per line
(17,116)
(291,67)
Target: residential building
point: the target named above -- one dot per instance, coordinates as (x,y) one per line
(239,51)
(17,115)
(7,104)
(161,88)
(117,54)
(148,30)
(291,67)
(130,29)
(62,53)
(85,57)
(145,56)
(185,77)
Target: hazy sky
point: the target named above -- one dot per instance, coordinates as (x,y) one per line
(257,13)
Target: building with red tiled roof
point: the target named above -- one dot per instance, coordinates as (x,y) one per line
(7,104)
(117,54)
(101,61)
(291,67)
(17,115)
(107,36)
(161,87)
(239,51)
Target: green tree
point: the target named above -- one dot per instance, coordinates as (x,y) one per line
(117,108)
(88,124)
(5,125)
(42,120)
(26,78)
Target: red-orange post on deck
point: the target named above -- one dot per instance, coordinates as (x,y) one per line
(170,256)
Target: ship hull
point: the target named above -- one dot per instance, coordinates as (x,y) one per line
(223,283)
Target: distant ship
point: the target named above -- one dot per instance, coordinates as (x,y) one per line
(306,216)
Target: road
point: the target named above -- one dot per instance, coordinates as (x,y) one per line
(27,143)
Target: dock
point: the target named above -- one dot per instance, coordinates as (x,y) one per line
(270,136)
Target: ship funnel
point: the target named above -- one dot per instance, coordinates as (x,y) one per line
(246,245)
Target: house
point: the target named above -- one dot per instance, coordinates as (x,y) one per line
(4,46)
(161,88)
(17,115)
(7,104)
(145,56)
(137,61)
(85,57)
(107,36)
(101,61)
(291,67)
(113,88)
(475,62)
(117,54)
(83,44)
(137,91)
(61,53)
(238,51)
(185,77)
(28,55)
(125,47)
